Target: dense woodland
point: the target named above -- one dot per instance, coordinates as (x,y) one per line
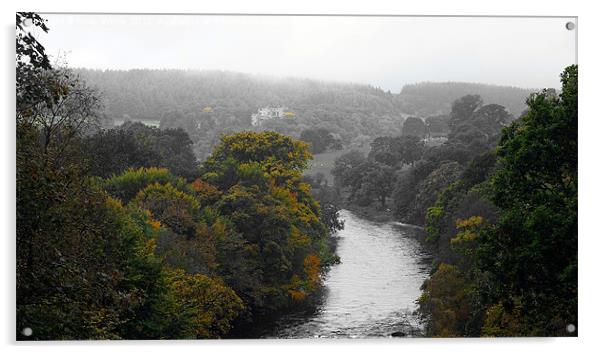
(499,203)
(122,234)
(206,225)
(434,98)
(207,104)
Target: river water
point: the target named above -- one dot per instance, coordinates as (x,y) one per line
(373,291)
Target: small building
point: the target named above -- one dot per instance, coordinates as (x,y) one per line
(267,113)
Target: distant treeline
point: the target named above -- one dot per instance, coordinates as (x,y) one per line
(227,100)
(433,98)
(209,103)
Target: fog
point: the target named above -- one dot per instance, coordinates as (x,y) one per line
(386,52)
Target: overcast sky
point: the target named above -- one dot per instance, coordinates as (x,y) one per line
(387,52)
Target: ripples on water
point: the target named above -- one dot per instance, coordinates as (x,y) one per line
(372,293)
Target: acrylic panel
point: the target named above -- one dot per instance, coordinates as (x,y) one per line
(205,176)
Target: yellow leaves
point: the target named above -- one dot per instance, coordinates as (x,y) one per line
(219,229)
(470,222)
(289,114)
(469,230)
(264,147)
(500,322)
(207,109)
(113,203)
(298,239)
(305,188)
(446,298)
(151,245)
(213,305)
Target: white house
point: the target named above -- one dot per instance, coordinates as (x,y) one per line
(267,113)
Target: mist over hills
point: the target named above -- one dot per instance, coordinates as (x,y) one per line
(209,103)
(431,98)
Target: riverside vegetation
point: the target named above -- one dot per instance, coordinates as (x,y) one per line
(121,234)
(498,200)
(206,226)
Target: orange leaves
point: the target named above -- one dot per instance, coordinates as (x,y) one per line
(154,224)
(297,295)
(295,290)
(206,192)
(311,267)
(298,289)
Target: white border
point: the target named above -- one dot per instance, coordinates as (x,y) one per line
(589,144)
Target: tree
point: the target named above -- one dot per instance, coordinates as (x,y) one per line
(446,298)
(134,145)
(173,208)
(409,149)
(428,189)
(462,109)
(68,109)
(278,155)
(531,254)
(208,306)
(319,140)
(85,267)
(111,152)
(128,184)
(384,149)
(343,166)
(31,61)
(375,181)
(394,150)
(414,126)
(264,200)
(490,119)
(437,126)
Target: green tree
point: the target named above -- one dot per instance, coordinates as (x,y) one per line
(446,298)
(207,306)
(531,254)
(264,200)
(177,210)
(127,185)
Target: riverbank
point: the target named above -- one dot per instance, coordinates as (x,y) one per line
(372,293)
(376,213)
(373,212)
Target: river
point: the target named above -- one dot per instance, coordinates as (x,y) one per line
(372,292)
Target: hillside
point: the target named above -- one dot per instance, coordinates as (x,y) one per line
(209,103)
(434,98)
(346,109)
